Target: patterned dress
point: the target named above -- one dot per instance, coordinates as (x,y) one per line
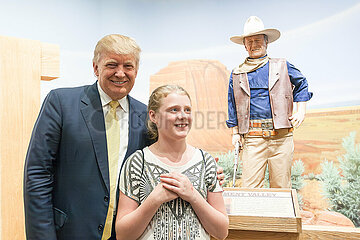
(176,219)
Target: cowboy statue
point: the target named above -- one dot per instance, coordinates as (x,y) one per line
(260,104)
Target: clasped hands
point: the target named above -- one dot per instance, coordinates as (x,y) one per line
(173,185)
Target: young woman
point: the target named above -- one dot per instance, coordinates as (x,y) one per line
(169,190)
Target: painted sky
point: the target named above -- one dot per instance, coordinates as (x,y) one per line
(318,37)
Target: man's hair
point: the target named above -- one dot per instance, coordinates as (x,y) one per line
(266,38)
(155,102)
(118,44)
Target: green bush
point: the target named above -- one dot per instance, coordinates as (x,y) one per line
(341,185)
(297,179)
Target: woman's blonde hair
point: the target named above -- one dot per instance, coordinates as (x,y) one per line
(155,102)
(119,44)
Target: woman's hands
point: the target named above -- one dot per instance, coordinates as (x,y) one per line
(179,184)
(162,194)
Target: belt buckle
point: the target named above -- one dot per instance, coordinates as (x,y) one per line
(266,125)
(266,133)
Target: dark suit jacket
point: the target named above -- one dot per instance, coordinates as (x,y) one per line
(66,177)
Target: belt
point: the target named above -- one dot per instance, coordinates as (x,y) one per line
(266,133)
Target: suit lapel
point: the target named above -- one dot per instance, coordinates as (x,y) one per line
(135,122)
(92,113)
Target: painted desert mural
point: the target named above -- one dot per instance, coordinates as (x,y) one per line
(318,141)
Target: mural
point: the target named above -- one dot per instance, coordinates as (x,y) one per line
(319,142)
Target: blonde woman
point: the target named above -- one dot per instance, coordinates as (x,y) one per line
(170,190)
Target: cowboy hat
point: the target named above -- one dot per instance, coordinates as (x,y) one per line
(254,26)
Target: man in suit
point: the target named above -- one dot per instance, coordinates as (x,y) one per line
(66,180)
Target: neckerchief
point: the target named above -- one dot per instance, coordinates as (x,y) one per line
(251,64)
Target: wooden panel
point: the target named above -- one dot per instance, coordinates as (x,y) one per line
(272,224)
(329,233)
(20,96)
(255,235)
(50,61)
(310,232)
(20,74)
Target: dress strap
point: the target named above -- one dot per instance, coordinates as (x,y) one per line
(202,153)
(143,160)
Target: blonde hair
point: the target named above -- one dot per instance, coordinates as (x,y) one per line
(155,102)
(119,44)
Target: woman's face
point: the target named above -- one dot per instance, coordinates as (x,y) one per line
(173,119)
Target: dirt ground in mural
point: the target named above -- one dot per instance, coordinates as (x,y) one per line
(313,200)
(319,138)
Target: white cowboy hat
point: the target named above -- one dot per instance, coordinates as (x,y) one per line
(254,26)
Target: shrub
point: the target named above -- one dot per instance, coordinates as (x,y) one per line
(342,186)
(297,180)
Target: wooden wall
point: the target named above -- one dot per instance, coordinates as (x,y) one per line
(23,63)
(308,232)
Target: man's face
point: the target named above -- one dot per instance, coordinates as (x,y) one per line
(255,46)
(116,74)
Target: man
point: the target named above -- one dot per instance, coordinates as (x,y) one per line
(260,104)
(78,146)
(67,190)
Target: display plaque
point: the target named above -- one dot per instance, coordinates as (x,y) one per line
(259,203)
(261,209)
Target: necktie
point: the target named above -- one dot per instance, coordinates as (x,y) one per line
(113,144)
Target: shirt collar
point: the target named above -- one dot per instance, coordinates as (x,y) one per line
(105,99)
